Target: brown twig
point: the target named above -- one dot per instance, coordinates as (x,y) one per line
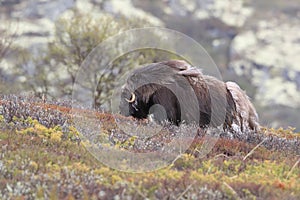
(232,190)
(251,152)
(185,191)
(292,169)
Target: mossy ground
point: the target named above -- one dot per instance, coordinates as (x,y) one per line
(39,162)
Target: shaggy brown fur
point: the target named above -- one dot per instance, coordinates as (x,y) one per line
(182,89)
(247,117)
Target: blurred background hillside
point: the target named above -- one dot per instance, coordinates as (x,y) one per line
(255,43)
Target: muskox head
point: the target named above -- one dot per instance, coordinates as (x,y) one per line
(159,90)
(175,91)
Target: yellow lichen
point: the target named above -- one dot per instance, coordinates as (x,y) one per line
(1,118)
(56,136)
(33,165)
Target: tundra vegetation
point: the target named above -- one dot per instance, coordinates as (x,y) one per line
(43,157)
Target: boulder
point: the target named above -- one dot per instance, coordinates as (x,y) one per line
(268,55)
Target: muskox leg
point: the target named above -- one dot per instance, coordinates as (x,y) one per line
(167,99)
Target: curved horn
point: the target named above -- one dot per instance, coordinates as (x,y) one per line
(193,71)
(132,99)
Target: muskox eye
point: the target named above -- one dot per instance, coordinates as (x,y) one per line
(132,98)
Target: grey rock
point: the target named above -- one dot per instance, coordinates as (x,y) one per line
(268,55)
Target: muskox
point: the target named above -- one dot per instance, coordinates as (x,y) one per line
(177,92)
